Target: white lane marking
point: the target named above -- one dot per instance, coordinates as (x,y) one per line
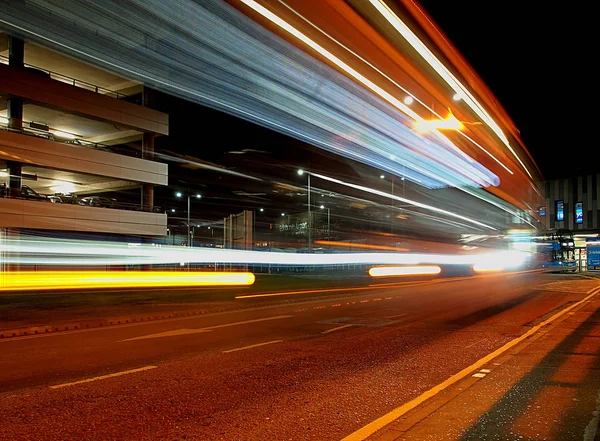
(485,371)
(336,329)
(226,325)
(397,315)
(475,343)
(103,377)
(167,334)
(366,431)
(479,375)
(252,346)
(206,329)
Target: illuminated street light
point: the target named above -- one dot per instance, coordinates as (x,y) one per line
(308,225)
(172,210)
(457,97)
(450,123)
(282,214)
(261,210)
(198,196)
(322,207)
(382,176)
(408,100)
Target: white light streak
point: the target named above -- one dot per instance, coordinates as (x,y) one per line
(401,199)
(439,67)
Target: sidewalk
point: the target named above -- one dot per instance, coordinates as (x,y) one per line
(545,388)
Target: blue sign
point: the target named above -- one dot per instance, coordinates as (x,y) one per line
(542,211)
(593,253)
(579,213)
(560,210)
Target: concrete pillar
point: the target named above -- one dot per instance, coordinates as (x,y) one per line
(148,189)
(15,113)
(16,51)
(16,56)
(15,171)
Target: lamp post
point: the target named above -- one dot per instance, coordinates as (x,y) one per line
(392,205)
(322,207)
(308,224)
(198,196)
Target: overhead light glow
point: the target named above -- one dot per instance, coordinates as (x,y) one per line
(62,187)
(450,123)
(64,135)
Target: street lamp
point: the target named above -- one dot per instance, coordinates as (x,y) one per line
(322,207)
(308,224)
(197,196)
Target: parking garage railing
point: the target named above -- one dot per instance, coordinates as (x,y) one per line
(73,81)
(26,129)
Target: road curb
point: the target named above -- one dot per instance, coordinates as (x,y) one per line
(97,323)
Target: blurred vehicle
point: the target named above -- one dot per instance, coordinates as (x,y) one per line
(66,198)
(99,201)
(29,193)
(558,251)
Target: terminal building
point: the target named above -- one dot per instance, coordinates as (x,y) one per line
(66,129)
(572,204)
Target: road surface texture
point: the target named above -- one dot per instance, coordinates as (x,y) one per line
(502,356)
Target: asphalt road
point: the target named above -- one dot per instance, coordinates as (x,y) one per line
(311,369)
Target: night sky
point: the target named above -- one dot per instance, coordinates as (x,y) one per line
(529,54)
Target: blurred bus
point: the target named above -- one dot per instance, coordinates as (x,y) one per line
(557,251)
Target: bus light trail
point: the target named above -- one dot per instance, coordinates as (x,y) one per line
(56,280)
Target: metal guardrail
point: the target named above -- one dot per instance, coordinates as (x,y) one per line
(72,81)
(110,204)
(31,131)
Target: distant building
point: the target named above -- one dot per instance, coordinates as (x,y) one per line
(572,203)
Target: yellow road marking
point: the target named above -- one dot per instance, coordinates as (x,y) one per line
(336,329)
(368,430)
(103,377)
(252,346)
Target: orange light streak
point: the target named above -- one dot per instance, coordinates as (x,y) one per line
(359,245)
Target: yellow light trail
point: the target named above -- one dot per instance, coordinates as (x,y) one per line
(386,271)
(57,280)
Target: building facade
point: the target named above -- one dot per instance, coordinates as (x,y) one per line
(76,147)
(572,203)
